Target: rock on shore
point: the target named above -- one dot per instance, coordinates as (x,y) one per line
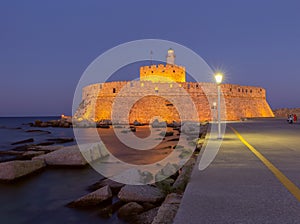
(23,141)
(168,209)
(73,156)
(130,209)
(15,169)
(140,193)
(146,217)
(114,186)
(93,198)
(183,178)
(67,156)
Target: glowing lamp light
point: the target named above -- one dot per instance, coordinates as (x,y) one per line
(218,78)
(170,50)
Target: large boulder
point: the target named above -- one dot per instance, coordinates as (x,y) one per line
(47,148)
(84,124)
(114,186)
(38,131)
(130,209)
(108,210)
(60,140)
(184,176)
(136,123)
(94,151)
(140,193)
(94,198)
(168,209)
(73,156)
(31,154)
(157,124)
(66,156)
(169,170)
(146,217)
(191,128)
(23,141)
(16,169)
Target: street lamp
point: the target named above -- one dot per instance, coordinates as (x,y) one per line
(219,78)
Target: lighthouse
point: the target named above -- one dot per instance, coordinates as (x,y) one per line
(171,57)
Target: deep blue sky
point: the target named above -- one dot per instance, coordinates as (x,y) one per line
(46,45)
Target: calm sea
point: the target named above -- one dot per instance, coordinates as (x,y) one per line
(41,198)
(14,129)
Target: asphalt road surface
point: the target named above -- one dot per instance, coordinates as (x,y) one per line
(255,177)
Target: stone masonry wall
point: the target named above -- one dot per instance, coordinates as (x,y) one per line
(154,99)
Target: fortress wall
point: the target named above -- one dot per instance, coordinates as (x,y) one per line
(144,111)
(240,101)
(169,72)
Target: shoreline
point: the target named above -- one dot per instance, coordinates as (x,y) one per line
(59,164)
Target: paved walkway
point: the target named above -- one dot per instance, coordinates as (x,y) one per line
(238,187)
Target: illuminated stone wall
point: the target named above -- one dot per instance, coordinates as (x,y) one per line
(151,100)
(162,73)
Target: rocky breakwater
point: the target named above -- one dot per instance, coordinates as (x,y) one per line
(43,156)
(61,123)
(144,204)
(155,203)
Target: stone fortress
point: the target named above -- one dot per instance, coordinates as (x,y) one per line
(159,83)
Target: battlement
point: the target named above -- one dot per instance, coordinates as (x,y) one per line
(193,88)
(162,73)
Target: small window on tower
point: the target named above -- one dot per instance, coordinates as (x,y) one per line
(173,71)
(114,90)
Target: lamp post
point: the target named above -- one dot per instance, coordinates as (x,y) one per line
(218,78)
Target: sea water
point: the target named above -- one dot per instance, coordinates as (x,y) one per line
(13,129)
(42,198)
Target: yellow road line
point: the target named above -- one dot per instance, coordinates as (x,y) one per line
(295,191)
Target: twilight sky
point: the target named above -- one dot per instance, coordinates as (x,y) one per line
(46,45)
